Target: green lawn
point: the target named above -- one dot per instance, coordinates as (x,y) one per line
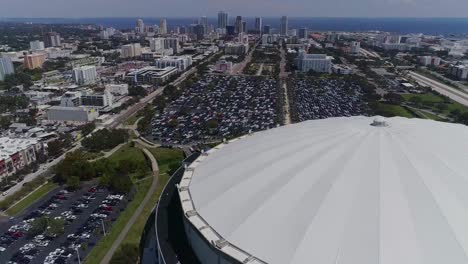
(30,199)
(390,110)
(100,250)
(131,120)
(128,152)
(167,157)
(429,101)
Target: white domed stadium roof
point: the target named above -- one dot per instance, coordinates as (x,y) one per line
(339,190)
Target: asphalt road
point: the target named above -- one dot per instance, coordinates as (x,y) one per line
(441,88)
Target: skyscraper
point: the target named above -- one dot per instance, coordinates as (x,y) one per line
(222,19)
(238,24)
(163,26)
(6,67)
(303,33)
(204,22)
(284,26)
(52,39)
(258,24)
(140,26)
(266,29)
(244,26)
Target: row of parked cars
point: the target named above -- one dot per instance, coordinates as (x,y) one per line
(83,234)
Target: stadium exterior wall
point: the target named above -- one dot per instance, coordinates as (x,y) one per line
(209,246)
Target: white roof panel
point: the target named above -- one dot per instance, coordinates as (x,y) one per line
(339,190)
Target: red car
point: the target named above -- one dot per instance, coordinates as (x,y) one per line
(92,190)
(17,234)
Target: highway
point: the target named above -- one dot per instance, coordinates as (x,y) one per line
(452,93)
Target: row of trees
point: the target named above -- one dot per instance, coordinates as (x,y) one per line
(115,175)
(104,139)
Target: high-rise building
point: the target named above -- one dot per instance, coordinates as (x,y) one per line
(33,61)
(52,39)
(140,26)
(230,30)
(238,24)
(244,27)
(172,43)
(6,67)
(36,45)
(198,31)
(266,29)
(131,50)
(258,24)
(156,44)
(163,26)
(355,47)
(204,22)
(284,26)
(85,75)
(222,19)
(303,33)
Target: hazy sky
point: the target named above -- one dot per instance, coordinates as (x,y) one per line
(194,8)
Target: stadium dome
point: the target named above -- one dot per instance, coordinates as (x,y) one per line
(358,190)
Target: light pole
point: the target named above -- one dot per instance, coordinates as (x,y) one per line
(103,226)
(78,253)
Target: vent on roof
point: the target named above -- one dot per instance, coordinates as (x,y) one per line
(379,121)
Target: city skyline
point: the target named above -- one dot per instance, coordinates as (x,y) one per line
(296,8)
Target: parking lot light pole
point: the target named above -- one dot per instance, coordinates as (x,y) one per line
(78,253)
(103,226)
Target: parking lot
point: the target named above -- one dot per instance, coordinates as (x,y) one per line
(218,107)
(86,213)
(324,98)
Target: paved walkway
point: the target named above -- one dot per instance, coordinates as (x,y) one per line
(283,76)
(139,210)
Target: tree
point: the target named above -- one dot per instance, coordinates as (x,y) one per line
(416,101)
(127,254)
(73,182)
(55,148)
(55,227)
(87,129)
(5,122)
(394,98)
(120,181)
(38,226)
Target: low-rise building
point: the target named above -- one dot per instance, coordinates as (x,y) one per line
(85,75)
(151,75)
(236,48)
(459,71)
(223,66)
(74,115)
(315,62)
(429,60)
(17,153)
(117,89)
(180,62)
(34,61)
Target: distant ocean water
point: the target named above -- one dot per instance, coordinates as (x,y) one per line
(435,26)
